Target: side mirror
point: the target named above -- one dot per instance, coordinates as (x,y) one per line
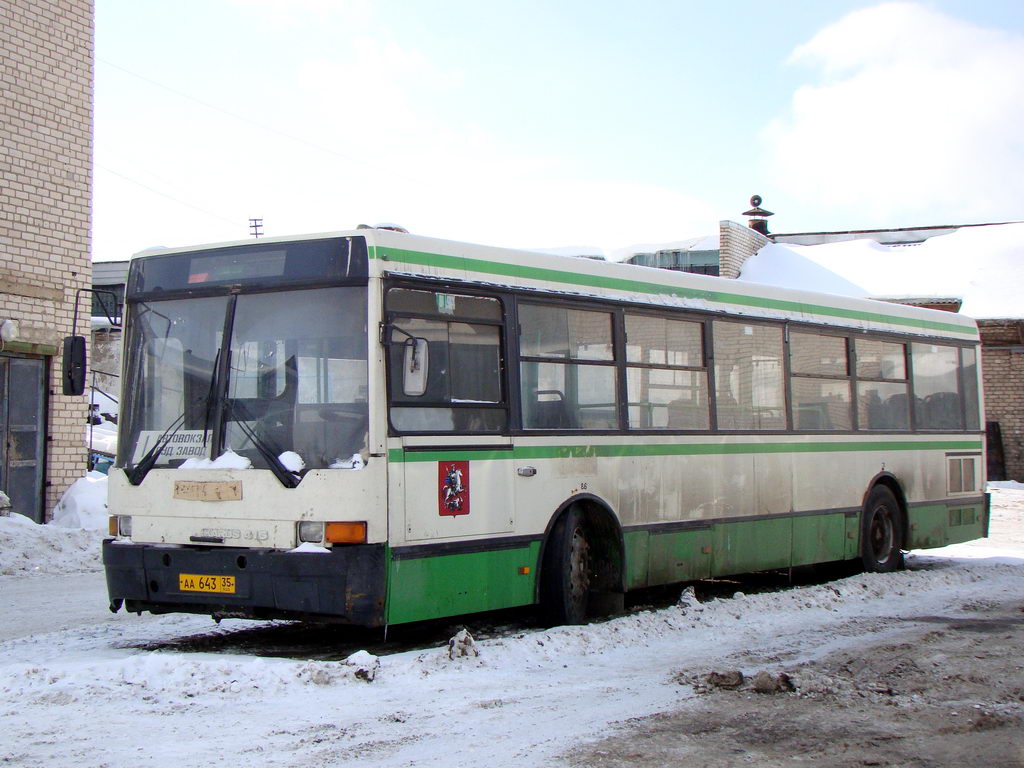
(73,371)
(414,367)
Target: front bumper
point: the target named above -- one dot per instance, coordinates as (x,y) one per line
(346,585)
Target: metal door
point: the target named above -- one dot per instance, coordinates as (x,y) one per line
(22,433)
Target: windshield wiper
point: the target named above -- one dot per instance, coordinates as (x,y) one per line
(211,397)
(281,472)
(138,473)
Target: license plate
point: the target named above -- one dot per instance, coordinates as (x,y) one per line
(197,582)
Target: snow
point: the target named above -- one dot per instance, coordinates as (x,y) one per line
(85,690)
(84,504)
(30,549)
(227,460)
(310,548)
(291,461)
(980,265)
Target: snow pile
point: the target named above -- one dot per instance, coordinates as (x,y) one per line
(27,548)
(84,504)
(1007,485)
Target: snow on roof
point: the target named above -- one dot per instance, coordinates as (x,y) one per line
(982,265)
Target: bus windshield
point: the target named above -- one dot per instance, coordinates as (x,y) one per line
(290,377)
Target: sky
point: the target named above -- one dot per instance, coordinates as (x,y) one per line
(583,123)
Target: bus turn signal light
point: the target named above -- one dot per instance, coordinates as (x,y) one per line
(346,533)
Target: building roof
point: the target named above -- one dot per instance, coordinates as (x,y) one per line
(982,265)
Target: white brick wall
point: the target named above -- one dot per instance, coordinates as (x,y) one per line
(737,243)
(46,84)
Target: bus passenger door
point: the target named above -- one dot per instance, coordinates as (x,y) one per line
(448,403)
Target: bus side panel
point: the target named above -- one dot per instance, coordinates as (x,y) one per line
(819,538)
(966,524)
(751,545)
(928,526)
(852,535)
(679,556)
(637,544)
(450,585)
(938,525)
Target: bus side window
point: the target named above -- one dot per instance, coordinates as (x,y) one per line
(567,368)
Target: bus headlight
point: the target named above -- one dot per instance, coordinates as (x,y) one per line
(311,533)
(332,533)
(120,525)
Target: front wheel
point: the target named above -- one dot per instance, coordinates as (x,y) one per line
(881,532)
(566,574)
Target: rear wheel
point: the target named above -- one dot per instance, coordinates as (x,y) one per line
(881,532)
(566,575)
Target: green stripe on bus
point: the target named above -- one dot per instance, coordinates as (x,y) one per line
(457,453)
(442,261)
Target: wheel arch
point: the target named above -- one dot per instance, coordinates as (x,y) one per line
(604,536)
(890,481)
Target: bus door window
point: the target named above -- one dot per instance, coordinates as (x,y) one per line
(463,389)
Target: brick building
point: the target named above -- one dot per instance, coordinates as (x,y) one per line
(1002,366)
(46,57)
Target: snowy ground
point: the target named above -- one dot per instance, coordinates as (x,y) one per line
(885,667)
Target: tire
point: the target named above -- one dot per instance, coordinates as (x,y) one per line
(881,532)
(566,574)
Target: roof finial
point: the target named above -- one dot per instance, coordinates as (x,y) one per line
(758,216)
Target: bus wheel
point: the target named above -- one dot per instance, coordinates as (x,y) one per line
(565,583)
(881,532)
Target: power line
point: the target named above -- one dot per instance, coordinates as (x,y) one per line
(233,115)
(187,204)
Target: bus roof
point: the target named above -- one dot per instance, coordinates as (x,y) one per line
(400,253)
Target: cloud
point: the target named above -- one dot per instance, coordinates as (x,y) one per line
(367,131)
(915,115)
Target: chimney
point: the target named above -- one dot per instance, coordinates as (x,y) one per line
(758,216)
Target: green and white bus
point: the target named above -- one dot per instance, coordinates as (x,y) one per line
(377,428)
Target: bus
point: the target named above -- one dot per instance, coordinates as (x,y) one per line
(372,427)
